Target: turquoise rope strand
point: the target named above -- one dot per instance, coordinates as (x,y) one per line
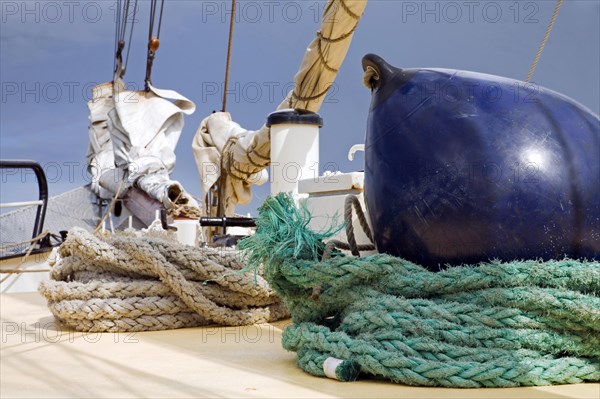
(490,325)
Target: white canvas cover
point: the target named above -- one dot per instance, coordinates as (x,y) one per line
(246,157)
(145,127)
(100,150)
(221,144)
(132,140)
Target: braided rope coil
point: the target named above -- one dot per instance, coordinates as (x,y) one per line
(497,324)
(129,283)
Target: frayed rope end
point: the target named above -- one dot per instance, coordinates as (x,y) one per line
(282,233)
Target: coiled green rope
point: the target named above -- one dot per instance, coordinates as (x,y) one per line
(491,325)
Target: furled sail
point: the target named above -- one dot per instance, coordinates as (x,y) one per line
(145,127)
(235,158)
(325,54)
(133,135)
(221,144)
(100,154)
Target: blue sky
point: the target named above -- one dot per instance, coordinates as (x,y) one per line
(53,52)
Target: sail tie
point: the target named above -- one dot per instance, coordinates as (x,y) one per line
(321,42)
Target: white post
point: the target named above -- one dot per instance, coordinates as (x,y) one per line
(186,231)
(294,149)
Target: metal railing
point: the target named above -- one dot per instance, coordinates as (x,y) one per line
(42,202)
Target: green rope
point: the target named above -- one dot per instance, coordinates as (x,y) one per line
(490,325)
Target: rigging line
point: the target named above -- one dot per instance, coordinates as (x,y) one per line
(122,16)
(162,4)
(150,54)
(222,179)
(153,18)
(228,62)
(133,21)
(153,41)
(125,17)
(151,22)
(116,25)
(123,21)
(117,29)
(118,20)
(544,40)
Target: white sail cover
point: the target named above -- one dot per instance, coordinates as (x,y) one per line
(222,148)
(145,127)
(100,150)
(132,140)
(243,160)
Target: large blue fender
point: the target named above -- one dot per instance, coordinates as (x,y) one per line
(463,167)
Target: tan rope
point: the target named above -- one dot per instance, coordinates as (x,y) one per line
(226,162)
(30,249)
(336,39)
(185,211)
(182,209)
(128,283)
(228,62)
(324,60)
(33,240)
(20,271)
(254,163)
(345,7)
(544,40)
(110,208)
(310,98)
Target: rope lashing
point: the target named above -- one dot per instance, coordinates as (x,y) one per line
(496,324)
(324,40)
(226,163)
(351,202)
(129,283)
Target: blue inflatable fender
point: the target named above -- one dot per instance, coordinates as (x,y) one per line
(464,167)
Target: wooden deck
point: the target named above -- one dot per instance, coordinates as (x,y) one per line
(38,359)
